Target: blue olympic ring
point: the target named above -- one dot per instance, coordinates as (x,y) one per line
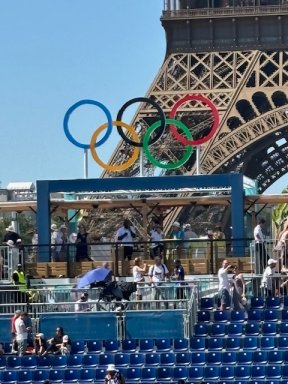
(72,109)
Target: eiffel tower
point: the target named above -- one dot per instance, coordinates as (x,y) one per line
(235,53)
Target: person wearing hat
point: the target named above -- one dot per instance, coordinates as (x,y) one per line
(10,235)
(268,282)
(65,347)
(113,376)
(40,345)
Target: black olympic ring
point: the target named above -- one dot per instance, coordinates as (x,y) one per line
(160,130)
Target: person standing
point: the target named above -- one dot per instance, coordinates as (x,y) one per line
(81,244)
(56,243)
(21,334)
(224,285)
(138,276)
(188,235)
(157,274)
(11,235)
(267,282)
(19,279)
(13,330)
(259,238)
(126,235)
(156,236)
(179,276)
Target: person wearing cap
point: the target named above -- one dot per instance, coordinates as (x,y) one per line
(82,304)
(10,235)
(268,283)
(65,347)
(113,376)
(40,344)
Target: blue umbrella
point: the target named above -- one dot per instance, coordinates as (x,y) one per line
(93,276)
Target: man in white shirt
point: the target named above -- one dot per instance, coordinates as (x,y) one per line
(267,282)
(126,235)
(21,334)
(260,244)
(156,234)
(83,305)
(157,274)
(224,285)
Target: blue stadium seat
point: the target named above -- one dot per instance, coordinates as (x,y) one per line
(250,343)
(252,329)
(167,358)
(237,316)
(184,358)
(77,347)
(75,361)
(198,358)
(112,346)
(13,362)
(152,359)
(213,358)
(87,376)
(94,346)
(121,359)
(44,362)
(273,302)
(137,359)
(272,314)
(164,374)
(197,344)
(58,361)
(24,376)
(233,344)
(255,315)
(105,359)
(211,373)
(9,376)
(218,330)
(207,303)
(215,344)
(2,362)
(56,375)
(148,374)
(99,375)
(235,329)
(285,371)
(29,362)
(181,345)
(258,372)
(284,314)
(134,374)
(203,316)
(283,328)
(273,372)
(129,345)
(244,358)
(227,373)
(275,357)
(163,345)
(146,345)
(90,360)
(221,316)
(267,343)
(180,373)
(71,375)
(269,329)
(40,375)
(260,357)
(196,373)
(201,330)
(283,343)
(242,372)
(229,358)
(257,302)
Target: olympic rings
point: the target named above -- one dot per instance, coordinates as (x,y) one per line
(117,167)
(72,109)
(203,100)
(159,110)
(178,163)
(134,139)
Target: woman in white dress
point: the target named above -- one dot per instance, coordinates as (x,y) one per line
(138,276)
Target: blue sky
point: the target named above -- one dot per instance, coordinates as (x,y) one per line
(54,53)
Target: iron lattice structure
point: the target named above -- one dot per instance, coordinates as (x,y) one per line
(248,86)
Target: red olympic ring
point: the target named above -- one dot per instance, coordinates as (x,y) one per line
(183,140)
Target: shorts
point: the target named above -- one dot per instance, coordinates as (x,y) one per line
(224,297)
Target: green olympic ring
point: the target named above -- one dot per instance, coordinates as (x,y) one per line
(180,162)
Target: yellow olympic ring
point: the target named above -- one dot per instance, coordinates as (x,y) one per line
(118,167)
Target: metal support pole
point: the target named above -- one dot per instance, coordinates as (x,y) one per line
(198,170)
(141,163)
(85,163)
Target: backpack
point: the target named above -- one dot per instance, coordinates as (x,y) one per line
(163,267)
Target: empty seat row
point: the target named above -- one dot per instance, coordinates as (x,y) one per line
(255,302)
(233,316)
(236,343)
(252,328)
